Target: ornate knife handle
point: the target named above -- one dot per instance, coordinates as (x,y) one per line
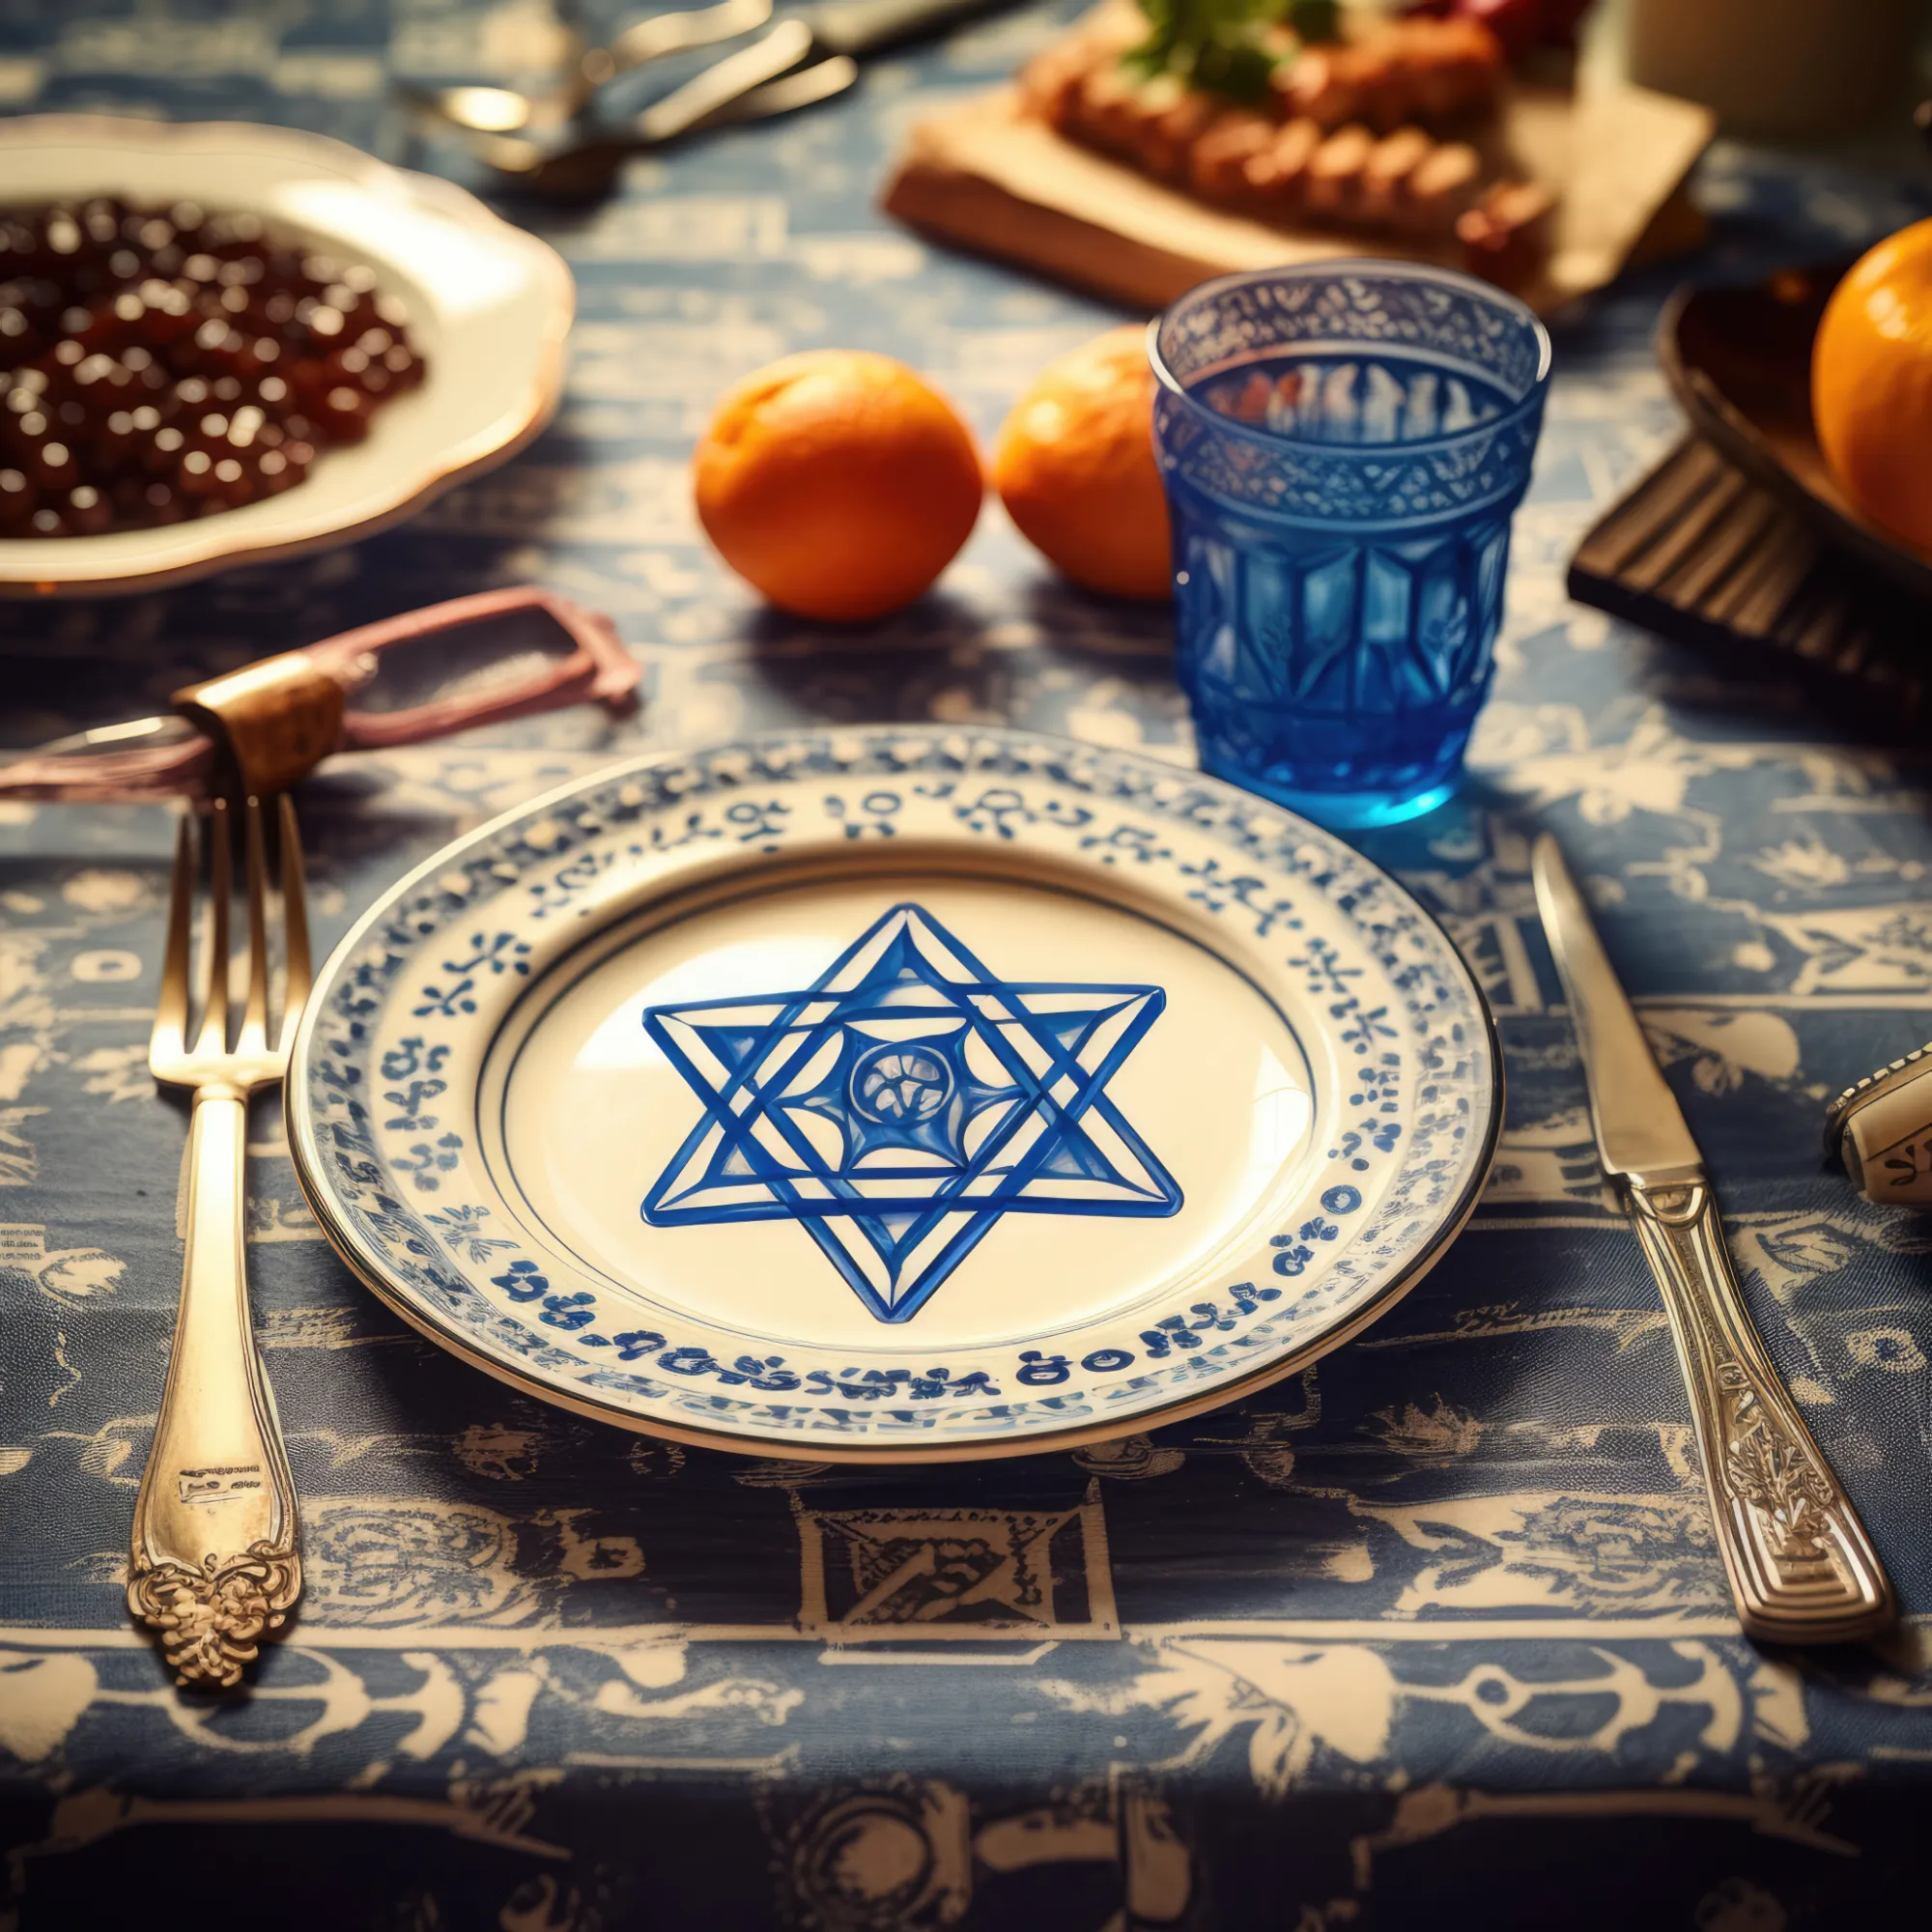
(1801,1567)
(214,1565)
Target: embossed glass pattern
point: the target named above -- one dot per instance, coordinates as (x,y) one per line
(1343,446)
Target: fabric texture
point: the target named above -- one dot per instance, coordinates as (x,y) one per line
(1434,1632)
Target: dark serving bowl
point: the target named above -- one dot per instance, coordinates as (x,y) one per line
(1739,360)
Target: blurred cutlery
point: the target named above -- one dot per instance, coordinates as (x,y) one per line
(503,110)
(806,57)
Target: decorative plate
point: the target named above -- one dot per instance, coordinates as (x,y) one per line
(489,305)
(889,1094)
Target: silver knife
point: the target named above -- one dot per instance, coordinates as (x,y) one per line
(1801,1569)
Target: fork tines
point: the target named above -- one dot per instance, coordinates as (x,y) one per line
(204,847)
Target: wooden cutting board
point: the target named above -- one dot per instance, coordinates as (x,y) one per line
(985,176)
(1696,550)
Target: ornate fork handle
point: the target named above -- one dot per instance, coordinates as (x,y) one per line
(214,1564)
(1801,1566)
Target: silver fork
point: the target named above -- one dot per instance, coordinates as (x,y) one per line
(214,1566)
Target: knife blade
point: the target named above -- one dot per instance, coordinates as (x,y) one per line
(1638,1124)
(1799,1565)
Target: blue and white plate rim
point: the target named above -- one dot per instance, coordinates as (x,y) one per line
(364,1234)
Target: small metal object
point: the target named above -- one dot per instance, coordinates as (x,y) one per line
(503,110)
(1801,1569)
(574,169)
(579,160)
(806,57)
(213,1567)
(1882,1129)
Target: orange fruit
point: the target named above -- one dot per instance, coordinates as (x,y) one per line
(1075,466)
(838,483)
(1871,384)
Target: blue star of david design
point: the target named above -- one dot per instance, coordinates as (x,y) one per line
(904,1102)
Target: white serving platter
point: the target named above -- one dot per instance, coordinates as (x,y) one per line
(489,305)
(894,1094)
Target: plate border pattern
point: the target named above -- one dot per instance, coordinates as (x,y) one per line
(558,849)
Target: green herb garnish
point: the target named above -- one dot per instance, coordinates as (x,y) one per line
(1227,46)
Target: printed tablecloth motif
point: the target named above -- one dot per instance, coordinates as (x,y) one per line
(1435,1624)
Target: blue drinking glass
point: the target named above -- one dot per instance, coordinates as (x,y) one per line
(1342,446)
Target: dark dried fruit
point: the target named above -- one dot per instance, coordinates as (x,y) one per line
(158,363)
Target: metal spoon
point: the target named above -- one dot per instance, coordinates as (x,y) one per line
(799,60)
(753,84)
(503,110)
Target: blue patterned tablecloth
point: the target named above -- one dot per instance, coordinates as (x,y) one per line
(1431,1632)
